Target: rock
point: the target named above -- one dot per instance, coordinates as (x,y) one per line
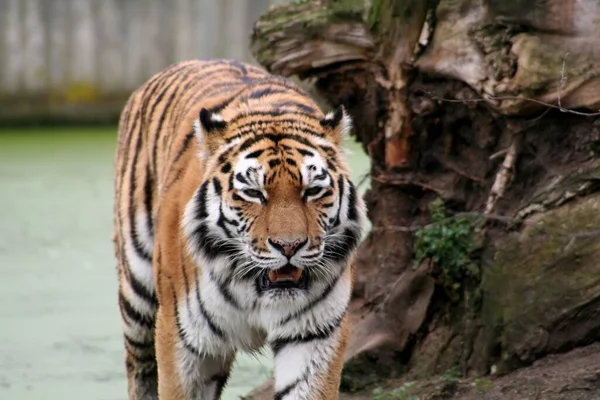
(544,288)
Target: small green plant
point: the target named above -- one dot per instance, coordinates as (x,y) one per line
(451,376)
(448,242)
(401,393)
(482,385)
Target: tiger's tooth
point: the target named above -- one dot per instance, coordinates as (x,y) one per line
(272,276)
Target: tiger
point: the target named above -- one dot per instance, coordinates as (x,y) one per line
(235,229)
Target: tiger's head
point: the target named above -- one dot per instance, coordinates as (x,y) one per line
(276,203)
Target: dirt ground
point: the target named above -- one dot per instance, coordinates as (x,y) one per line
(570,376)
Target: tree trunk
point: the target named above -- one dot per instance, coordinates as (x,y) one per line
(485,113)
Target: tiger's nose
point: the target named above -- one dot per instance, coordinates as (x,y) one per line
(287,247)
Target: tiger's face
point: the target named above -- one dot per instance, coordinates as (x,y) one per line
(277,204)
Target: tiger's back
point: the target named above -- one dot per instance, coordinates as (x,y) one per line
(162,165)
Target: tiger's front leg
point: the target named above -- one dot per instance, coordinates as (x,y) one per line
(309,367)
(185,372)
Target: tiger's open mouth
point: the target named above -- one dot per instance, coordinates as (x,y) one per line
(288,277)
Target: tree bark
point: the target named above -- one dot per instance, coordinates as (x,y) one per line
(491,107)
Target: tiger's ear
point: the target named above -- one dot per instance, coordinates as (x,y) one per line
(337,125)
(209,128)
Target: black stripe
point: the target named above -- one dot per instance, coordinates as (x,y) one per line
(225,292)
(218,86)
(134,348)
(341,187)
(303,107)
(148,194)
(322,175)
(143,359)
(220,379)
(137,246)
(241,66)
(352,214)
(278,81)
(221,223)
(166,110)
(275,138)
(165,83)
(339,250)
(305,152)
(218,187)
(331,165)
(157,83)
(255,154)
(174,179)
(180,333)
(164,88)
(226,168)
(329,192)
(323,333)
(139,346)
(149,373)
(193,102)
(216,109)
(186,142)
(210,245)
(201,210)
(139,289)
(211,324)
(223,157)
(275,113)
(264,91)
(286,390)
(313,303)
(134,315)
(257,127)
(241,178)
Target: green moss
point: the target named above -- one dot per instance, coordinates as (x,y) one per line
(307,18)
(541,276)
(494,42)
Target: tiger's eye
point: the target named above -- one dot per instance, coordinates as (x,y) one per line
(253,193)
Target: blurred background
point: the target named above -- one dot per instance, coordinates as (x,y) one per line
(66,69)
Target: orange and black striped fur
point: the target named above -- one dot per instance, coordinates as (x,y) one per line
(235,228)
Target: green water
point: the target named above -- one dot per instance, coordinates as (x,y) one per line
(59,322)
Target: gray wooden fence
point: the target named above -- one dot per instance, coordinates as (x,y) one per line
(81,58)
